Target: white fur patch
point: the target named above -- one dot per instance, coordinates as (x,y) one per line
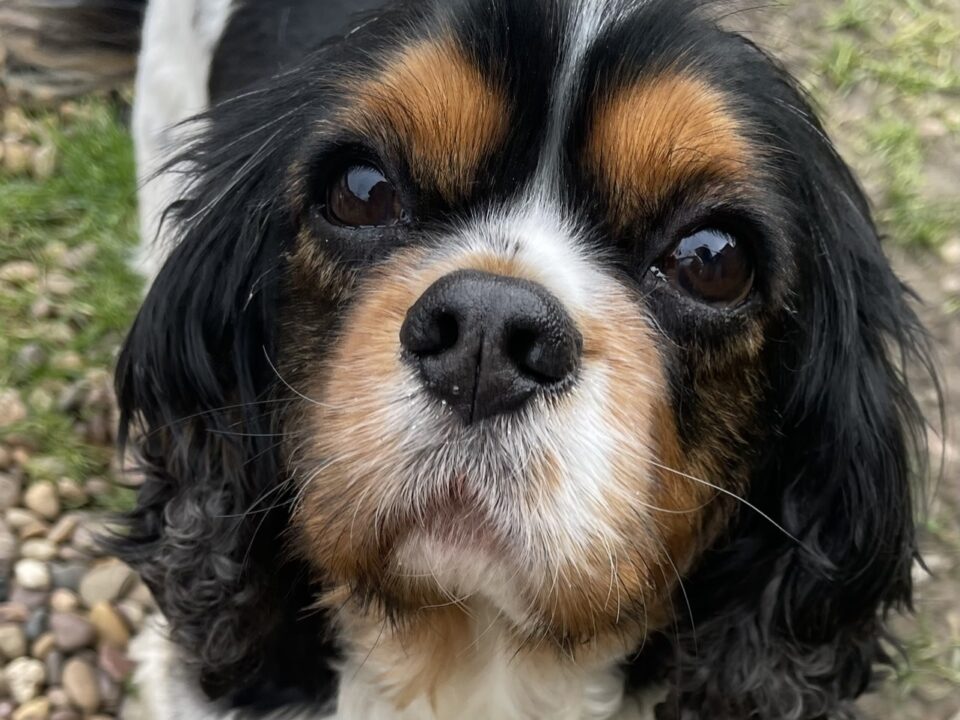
(503,689)
(179,39)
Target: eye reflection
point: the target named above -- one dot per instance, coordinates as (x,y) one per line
(711,266)
(362,196)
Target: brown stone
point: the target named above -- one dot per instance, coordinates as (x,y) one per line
(111,629)
(81,685)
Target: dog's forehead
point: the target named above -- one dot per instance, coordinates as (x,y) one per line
(534,87)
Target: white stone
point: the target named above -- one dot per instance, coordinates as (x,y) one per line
(32,575)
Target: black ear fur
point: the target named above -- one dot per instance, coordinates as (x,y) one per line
(198,400)
(791,629)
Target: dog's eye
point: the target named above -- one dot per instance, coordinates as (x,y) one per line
(363,197)
(711,266)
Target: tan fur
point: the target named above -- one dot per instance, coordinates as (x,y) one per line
(434,104)
(647,140)
(360,504)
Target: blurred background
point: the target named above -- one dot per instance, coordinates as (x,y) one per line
(884,73)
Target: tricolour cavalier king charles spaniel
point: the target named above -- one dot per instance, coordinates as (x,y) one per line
(508,359)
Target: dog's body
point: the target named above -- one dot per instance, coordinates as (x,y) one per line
(505,359)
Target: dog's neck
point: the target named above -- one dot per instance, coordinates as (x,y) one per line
(461,662)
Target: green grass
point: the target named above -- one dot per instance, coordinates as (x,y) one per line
(904,211)
(86,208)
(906,52)
(911,44)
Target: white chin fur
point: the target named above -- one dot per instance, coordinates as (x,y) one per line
(505,690)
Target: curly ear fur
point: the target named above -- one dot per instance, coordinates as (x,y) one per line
(196,384)
(790,629)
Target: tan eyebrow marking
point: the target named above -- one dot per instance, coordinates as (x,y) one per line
(446,115)
(648,138)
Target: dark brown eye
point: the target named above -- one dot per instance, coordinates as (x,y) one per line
(711,266)
(363,197)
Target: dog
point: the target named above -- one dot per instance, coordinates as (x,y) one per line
(507,359)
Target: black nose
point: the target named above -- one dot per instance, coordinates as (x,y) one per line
(486,343)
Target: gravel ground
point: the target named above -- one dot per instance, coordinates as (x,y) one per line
(886,73)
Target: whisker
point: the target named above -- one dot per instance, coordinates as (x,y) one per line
(290,387)
(730,494)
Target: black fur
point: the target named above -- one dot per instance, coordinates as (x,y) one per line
(786,623)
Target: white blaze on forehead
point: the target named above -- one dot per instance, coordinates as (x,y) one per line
(588,20)
(536,234)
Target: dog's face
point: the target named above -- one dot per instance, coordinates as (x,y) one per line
(528,303)
(556,304)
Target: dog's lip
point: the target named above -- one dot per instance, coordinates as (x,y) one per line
(459,516)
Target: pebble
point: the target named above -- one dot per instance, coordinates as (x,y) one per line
(17,517)
(19,272)
(68,553)
(81,685)
(15,122)
(62,530)
(43,646)
(44,162)
(32,575)
(71,632)
(141,595)
(133,613)
(97,487)
(10,489)
(67,575)
(37,624)
(42,498)
(72,397)
(12,612)
(5,458)
(111,628)
(85,537)
(71,493)
(54,666)
(16,156)
(42,309)
(111,693)
(106,582)
(80,256)
(40,549)
(13,643)
(31,599)
(68,361)
(8,549)
(63,600)
(58,284)
(950,251)
(58,698)
(12,409)
(25,677)
(40,400)
(116,663)
(65,714)
(36,709)
(33,529)
(30,357)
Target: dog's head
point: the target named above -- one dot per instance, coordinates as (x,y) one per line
(571,307)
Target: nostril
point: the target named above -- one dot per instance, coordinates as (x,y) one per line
(542,357)
(447,331)
(429,333)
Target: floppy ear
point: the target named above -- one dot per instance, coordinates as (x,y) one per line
(790,628)
(197,392)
